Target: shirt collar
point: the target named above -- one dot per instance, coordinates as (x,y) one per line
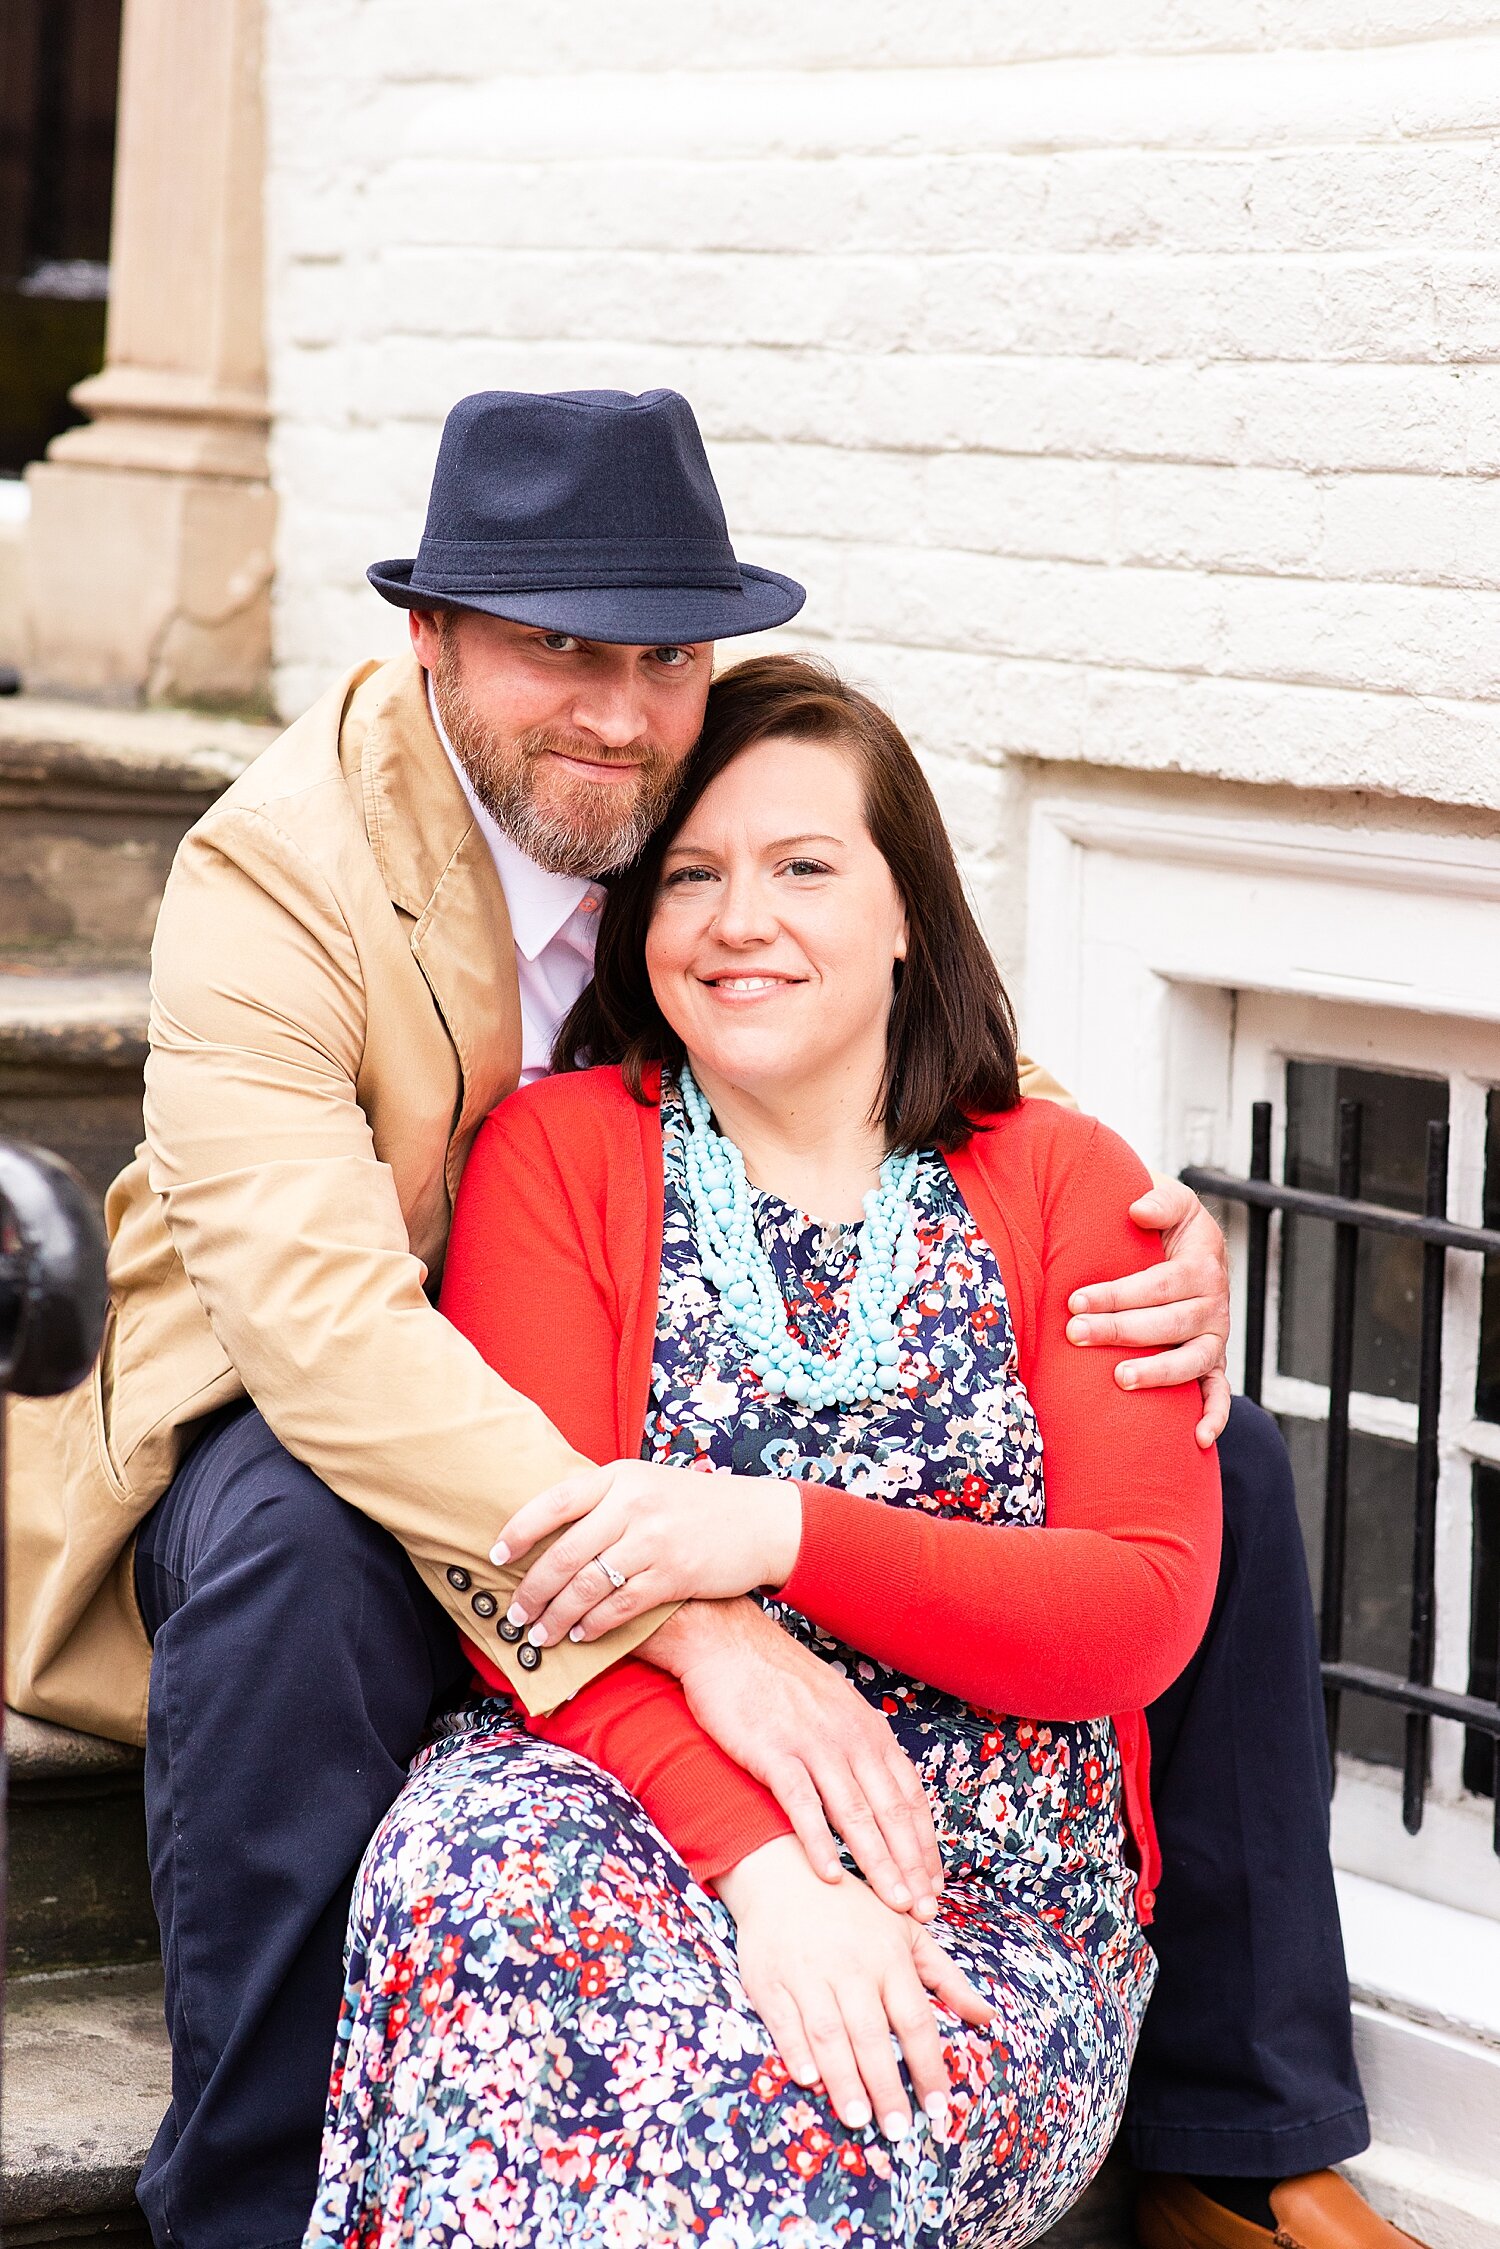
(540,903)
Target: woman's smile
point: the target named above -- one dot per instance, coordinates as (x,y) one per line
(737,985)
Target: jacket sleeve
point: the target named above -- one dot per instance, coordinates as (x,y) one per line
(1098,1612)
(1038,1083)
(290,1230)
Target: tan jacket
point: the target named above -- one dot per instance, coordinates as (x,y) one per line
(334,1011)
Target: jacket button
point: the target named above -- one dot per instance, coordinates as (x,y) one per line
(460,1580)
(484,1604)
(528,1656)
(509,1632)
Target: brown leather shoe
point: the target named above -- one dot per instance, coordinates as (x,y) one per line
(1320,2210)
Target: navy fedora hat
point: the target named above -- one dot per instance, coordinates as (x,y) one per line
(590,512)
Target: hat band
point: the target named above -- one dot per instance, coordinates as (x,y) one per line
(550,565)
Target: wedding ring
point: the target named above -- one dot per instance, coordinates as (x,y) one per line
(616,1577)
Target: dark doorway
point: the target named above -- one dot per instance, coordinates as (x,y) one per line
(59,77)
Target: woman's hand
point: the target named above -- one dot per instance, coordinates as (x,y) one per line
(833,1973)
(672,1534)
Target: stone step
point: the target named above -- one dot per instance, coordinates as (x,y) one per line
(79,1892)
(72,1049)
(1426,1984)
(87,2079)
(93,804)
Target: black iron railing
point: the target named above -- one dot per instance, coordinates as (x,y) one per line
(1350,1217)
(52,1303)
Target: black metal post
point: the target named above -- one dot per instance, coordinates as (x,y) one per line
(52,1304)
(1424,1519)
(1340,1382)
(1258,1254)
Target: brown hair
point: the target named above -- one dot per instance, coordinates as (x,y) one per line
(951,1041)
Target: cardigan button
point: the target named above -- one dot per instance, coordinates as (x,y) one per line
(528,1656)
(484,1604)
(509,1632)
(1148,1899)
(460,1580)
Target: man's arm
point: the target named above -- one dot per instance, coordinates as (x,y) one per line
(291,1231)
(1177,1311)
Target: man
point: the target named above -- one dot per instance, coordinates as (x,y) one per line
(364,946)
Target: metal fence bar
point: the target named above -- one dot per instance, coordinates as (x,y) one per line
(1308,1202)
(1351,1216)
(1340,1383)
(1424,1512)
(1258,1254)
(1438,1702)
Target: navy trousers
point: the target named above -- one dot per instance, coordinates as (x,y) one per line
(1246,2063)
(297,1659)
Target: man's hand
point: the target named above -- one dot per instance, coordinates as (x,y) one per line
(810,1738)
(1178,1310)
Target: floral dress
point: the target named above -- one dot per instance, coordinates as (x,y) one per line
(544,2039)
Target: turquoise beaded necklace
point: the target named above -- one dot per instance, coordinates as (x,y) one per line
(750,1297)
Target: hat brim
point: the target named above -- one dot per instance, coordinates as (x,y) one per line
(635,616)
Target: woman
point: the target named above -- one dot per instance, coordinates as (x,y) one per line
(794,1226)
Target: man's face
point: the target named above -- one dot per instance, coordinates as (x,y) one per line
(575,746)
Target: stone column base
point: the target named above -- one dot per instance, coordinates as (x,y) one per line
(148,587)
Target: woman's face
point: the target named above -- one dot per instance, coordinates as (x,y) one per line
(777,926)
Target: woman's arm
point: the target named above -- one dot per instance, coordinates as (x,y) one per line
(549,1275)
(1094,1614)
(636,1724)
(1099,1611)
(520,1283)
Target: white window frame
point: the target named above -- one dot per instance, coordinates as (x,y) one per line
(1175,960)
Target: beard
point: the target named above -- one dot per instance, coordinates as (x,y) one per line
(566,824)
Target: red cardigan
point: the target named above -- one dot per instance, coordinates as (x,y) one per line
(552,1271)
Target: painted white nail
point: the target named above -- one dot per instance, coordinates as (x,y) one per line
(856,2116)
(895,2127)
(538,1636)
(936,2110)
(515,1614)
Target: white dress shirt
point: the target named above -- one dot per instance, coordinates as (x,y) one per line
(554,920)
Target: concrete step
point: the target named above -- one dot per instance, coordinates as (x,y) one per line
(87,2080)
(1426,1983)
(79,1893)
(72,1049)
(93,803)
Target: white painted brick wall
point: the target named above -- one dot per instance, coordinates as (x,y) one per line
(1122,377)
